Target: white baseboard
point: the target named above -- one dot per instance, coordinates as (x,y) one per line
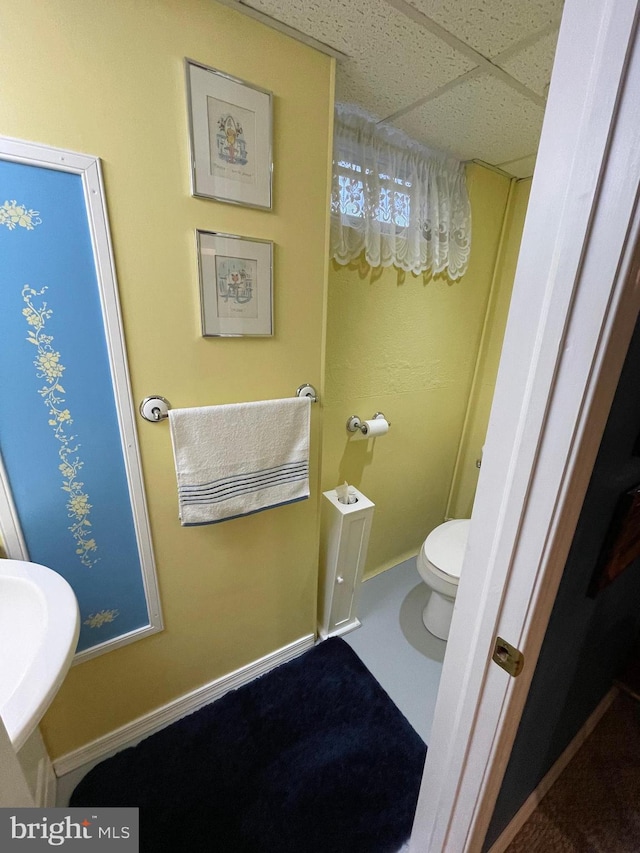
(135,731)
(534,799)
(338,632)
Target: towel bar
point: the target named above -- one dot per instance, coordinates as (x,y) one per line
(156,408)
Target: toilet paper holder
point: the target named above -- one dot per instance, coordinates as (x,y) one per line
(354,423)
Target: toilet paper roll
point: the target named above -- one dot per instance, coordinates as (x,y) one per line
(377,426)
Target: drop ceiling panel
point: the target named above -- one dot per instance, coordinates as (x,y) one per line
(482,118)
(330,22)
(520,168)
(491,26)
(392,60)
(381,86)
(532,66)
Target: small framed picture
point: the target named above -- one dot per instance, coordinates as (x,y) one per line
(230,128)
(236,285)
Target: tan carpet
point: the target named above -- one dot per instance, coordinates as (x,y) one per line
(594,807)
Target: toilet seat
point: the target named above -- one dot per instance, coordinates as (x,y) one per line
(445,546)
(448,584)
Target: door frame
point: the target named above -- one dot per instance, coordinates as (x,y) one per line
(575,301)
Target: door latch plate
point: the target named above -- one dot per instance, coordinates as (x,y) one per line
(508,657)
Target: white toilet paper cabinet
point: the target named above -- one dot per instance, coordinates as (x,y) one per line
(344,539)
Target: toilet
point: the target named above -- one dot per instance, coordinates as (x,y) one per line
(439,563)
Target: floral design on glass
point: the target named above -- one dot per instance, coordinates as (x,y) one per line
(49,368)
(97,620)
(15,215)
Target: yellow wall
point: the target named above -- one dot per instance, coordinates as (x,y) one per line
(107,78)
(479,405)
(407,345)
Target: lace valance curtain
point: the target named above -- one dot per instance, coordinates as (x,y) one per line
(396,201)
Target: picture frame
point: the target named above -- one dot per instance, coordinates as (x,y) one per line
(230,132)
(236,285)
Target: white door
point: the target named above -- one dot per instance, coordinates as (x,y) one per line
(574,306)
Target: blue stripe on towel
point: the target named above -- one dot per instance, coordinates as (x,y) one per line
(244,514)
(245,477)
(211,499)
(230,487)
(207,499)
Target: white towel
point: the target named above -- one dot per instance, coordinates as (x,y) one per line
(240,458)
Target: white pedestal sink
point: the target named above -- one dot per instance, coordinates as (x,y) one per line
(39,626)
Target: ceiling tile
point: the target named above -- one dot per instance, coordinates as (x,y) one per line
(491,26)
(520,168)
(381,86)
(393,61)
(532,66)
(482,118)
(330,22)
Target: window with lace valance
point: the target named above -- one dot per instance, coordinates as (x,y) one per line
(396,201)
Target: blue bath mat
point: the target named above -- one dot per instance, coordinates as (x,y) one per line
(312,757)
